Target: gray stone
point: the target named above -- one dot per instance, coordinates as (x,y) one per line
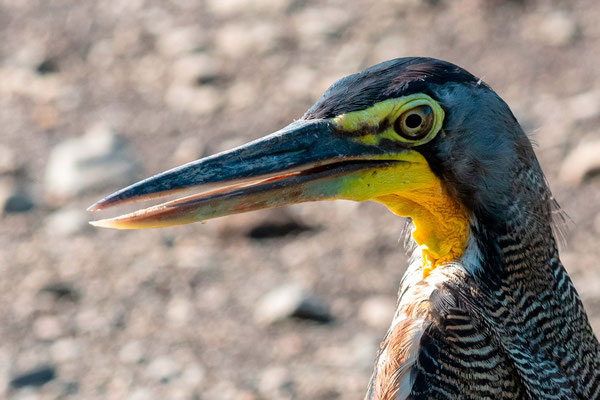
(8,160)
(275,380)
(176,42)
(289,301)
(584,106)
(582,162)
(98,160)
(35,377)
(132,353)
(67,222)
(193,376)
(14,197)
(558,28)
(47,327)
(195,69)
(201,100)
(66,349)
(163,369)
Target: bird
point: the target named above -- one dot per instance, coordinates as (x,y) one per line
(485,309)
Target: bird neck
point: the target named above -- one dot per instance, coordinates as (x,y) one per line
(441,223)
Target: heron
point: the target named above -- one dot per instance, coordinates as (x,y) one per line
(485,308)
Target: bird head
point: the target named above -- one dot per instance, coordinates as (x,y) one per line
(422,136)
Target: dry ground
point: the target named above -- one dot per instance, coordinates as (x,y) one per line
(170,313)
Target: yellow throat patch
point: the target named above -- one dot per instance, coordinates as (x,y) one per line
(410,188)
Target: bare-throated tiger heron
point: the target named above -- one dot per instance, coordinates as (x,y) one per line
(486,310)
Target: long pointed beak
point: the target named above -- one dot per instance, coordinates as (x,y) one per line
(309,160)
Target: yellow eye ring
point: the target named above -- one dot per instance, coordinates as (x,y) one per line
(419,120)
(416,123)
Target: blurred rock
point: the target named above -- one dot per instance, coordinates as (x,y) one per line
(14,197)
(180,311)
(363,349)
(597,223)
(276,382)
(195,69)
(190,149)
(132,353)
(8,160)
(289,301)
(277,223)
(163,369)
(377,311)
(27,83)
(60,291)
(556,28)
(182,40)
(100,159)
(299,81)
(35,377)
(193,375)
(581,163)
(317,24)
(67,222)
(238,40)
(47,327)
(66,349)
(47,66)
(229,8)
(201,100)
(584,106)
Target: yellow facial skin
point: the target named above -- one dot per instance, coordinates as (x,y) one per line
(403,181)
(389,110)
(441,222)
(412,190)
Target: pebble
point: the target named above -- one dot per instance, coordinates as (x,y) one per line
(179,311)
(580,163)
(48,328)
(276,223)
(584,105)
(35,377)
(8,160)
(195,69)
(66,349)
(163,369)
(100,159)
(555,29)
(317,24)
(275,380)
(60,291)
(289,301)
(193,375)
(202,100)
(67,222)
(230,8)
(14,197)
(377,311)
(182,40)
(237,40)
(132,353)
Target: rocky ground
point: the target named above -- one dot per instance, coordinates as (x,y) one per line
(96,94)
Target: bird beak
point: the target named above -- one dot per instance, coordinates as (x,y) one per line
(309,160)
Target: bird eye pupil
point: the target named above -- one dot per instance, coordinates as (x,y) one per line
(415,124)
(413,121)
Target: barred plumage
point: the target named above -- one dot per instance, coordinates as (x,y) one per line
(519,333)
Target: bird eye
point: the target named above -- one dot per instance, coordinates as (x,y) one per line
(415,124)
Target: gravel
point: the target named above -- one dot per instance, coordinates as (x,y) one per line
(95,95)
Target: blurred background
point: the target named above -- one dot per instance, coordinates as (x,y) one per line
(281,304)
